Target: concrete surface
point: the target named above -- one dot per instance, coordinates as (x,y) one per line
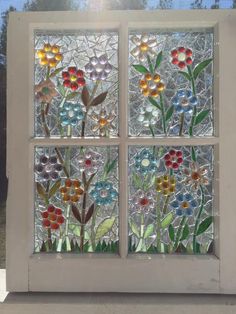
(61,303)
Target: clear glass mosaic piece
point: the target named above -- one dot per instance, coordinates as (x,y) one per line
(76,84)
(76,199)
(171,83)
(170,199)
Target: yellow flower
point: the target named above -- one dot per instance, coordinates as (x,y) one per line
(151,85)
(166,185)
(49,55)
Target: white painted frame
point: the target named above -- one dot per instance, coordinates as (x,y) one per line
(111,273)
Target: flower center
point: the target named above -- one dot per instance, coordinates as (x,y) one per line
(143,47)
(104,193)
(71,113)
(165,185)
(50,55)
(195,176)
(88,162)
(184,102)
(181,56)
(49,168)
(145,162)
(73,78)
(185,205)
(144,201)
(102,121)
(45,90)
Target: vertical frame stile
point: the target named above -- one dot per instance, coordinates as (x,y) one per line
(123,132)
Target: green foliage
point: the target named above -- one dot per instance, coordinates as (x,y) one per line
(125,5)
(158,60)
(201,116)
(204,225)
(104,227)
(200,67)
(171,231)
(167,220)
(140,68)
(3,35)
(185,74)
(185,232)
(149,231)
(169,113)
(52,5)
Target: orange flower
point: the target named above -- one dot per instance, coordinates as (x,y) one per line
(151,85)
(45,91)
(71,191)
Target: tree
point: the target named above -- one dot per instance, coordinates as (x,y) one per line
(234,4)
(51,5)
(216,5)
(3,35)
(197,4)
(165,4)
(125,4)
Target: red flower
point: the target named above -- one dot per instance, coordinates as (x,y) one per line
(73,78)
(173,159)
(52,217)
(182,57)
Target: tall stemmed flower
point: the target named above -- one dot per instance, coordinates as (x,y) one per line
(183,58)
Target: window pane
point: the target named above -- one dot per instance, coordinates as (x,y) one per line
(76,84)
(76,199)
(170,199)
(170,83)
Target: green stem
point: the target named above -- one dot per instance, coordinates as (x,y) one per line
(181,124)
(179,233)
(83,222)
(166,204)
(194,93)
(93,234)
(49,239)
(158,238)
(68,247)
(163,113)
(198,220)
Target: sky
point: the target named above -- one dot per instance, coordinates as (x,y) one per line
(178,4)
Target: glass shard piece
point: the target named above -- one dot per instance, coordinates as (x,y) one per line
(170,199)
(171,83)
(76,84)
(76,199)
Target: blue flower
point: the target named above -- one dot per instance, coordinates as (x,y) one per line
(104,193)
(184,100)
(71,114)
(184,204)
(145,162)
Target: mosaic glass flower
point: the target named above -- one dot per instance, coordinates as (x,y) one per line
(142,202)
(45,91)
(184,100)
(104,193)
(184,204)
(173,159)
(166,185)
(71,191)
(49,55)
(48,168)
(73,78)
(98,68)
(182,57)
(196,175)
(89,161)
(71,114)
(144,46)
(103,122)
(145,162)
(148,115)
(52,217)
(151,85)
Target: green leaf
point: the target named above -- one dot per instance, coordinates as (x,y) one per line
(140,68)
(72,95)
(60,88)
(185,74)
(169,113)
(54,73)
(149,231)
(41,191)
(158,60)
(200,67)
(54,188)
(134,228)
(150,64)
(137,181)
(110,166)
(204,225)
(167,220)
(193,154)
(171,231)
(75,229)
(154,103)
(201,116)
(104,227)
(185,233)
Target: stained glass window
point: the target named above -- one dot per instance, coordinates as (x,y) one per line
(170,199)
(76,199)
(171,83)
(76,84)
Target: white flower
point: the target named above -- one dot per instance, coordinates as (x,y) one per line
(144,45)
(148,115)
